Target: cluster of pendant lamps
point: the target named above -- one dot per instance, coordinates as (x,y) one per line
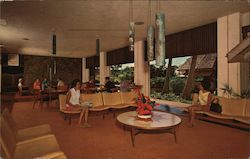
(154,49)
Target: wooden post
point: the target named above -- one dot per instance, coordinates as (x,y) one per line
(190,79)
(167,77)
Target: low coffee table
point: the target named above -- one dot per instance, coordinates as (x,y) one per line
(160,121)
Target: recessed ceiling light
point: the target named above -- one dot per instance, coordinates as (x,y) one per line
(139,23)
(26,39)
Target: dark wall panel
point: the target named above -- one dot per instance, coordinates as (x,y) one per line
(196,41)
(120,56)
(38,67)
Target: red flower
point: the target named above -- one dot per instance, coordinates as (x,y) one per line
(144,104)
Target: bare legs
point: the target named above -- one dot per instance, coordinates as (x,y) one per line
(84,113)
(192,110)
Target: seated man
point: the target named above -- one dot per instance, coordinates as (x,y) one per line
(109,85)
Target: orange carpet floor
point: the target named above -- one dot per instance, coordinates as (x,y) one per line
(106,140)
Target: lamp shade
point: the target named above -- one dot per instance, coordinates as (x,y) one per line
(150,43)
(160,39)
(54,44)
(131,36)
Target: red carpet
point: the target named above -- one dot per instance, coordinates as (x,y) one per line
(105,140)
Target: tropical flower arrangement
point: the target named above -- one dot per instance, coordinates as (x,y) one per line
(144,105)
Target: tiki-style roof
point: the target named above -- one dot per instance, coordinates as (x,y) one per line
(206,61)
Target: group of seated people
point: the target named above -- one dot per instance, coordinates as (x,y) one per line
(37,85)
(73,96)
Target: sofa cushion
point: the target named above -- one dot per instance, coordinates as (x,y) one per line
(9,119)
(112,98)
(128,97)
(234,107)
(33,132)
(247,109)
(62,102)
(95,99)
(37,148)
(8,139)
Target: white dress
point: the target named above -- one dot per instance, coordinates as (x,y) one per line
(75,96)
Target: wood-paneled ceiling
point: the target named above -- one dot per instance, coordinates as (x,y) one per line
(30,24)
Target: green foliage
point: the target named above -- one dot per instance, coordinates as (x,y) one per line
(119,74)
(157,82)
(227,90)
(177,85)
(244,94)
(169,97)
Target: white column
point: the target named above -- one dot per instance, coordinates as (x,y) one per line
(85,71)
(0,70)
(104,69)
(142,68)
(229,35)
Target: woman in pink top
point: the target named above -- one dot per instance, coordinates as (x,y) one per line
(37,85)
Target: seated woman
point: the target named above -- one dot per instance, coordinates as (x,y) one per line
(37,85)
(204,102)
(73,102)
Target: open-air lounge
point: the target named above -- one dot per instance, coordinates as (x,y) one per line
(124,79)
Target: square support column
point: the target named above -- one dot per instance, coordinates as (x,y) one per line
(142,68)
(0,70)
(104,69)
(85,71)
(229,35)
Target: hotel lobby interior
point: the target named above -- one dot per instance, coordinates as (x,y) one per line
(85,39)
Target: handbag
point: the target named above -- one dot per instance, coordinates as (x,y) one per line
(216,107)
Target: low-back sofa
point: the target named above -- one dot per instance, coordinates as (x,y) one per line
(103,101)
(235,112)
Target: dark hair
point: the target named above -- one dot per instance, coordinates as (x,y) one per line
(74,82)
(107,78)
(205,84)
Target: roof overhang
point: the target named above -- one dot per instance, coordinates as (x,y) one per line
(241,52)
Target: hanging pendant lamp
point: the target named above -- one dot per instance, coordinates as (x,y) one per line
(131,32)
(160,39)
(131,36)
(150,36)
(150,43)
(54,44)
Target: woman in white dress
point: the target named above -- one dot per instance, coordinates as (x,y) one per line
(73,102)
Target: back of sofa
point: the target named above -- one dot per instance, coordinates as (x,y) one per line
(233,107)
(112,98)
(95,99)
(247,109)
(129,98)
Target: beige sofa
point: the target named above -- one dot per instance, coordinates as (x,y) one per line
(117,100)
(235,112)
(34,142)
(104,101)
